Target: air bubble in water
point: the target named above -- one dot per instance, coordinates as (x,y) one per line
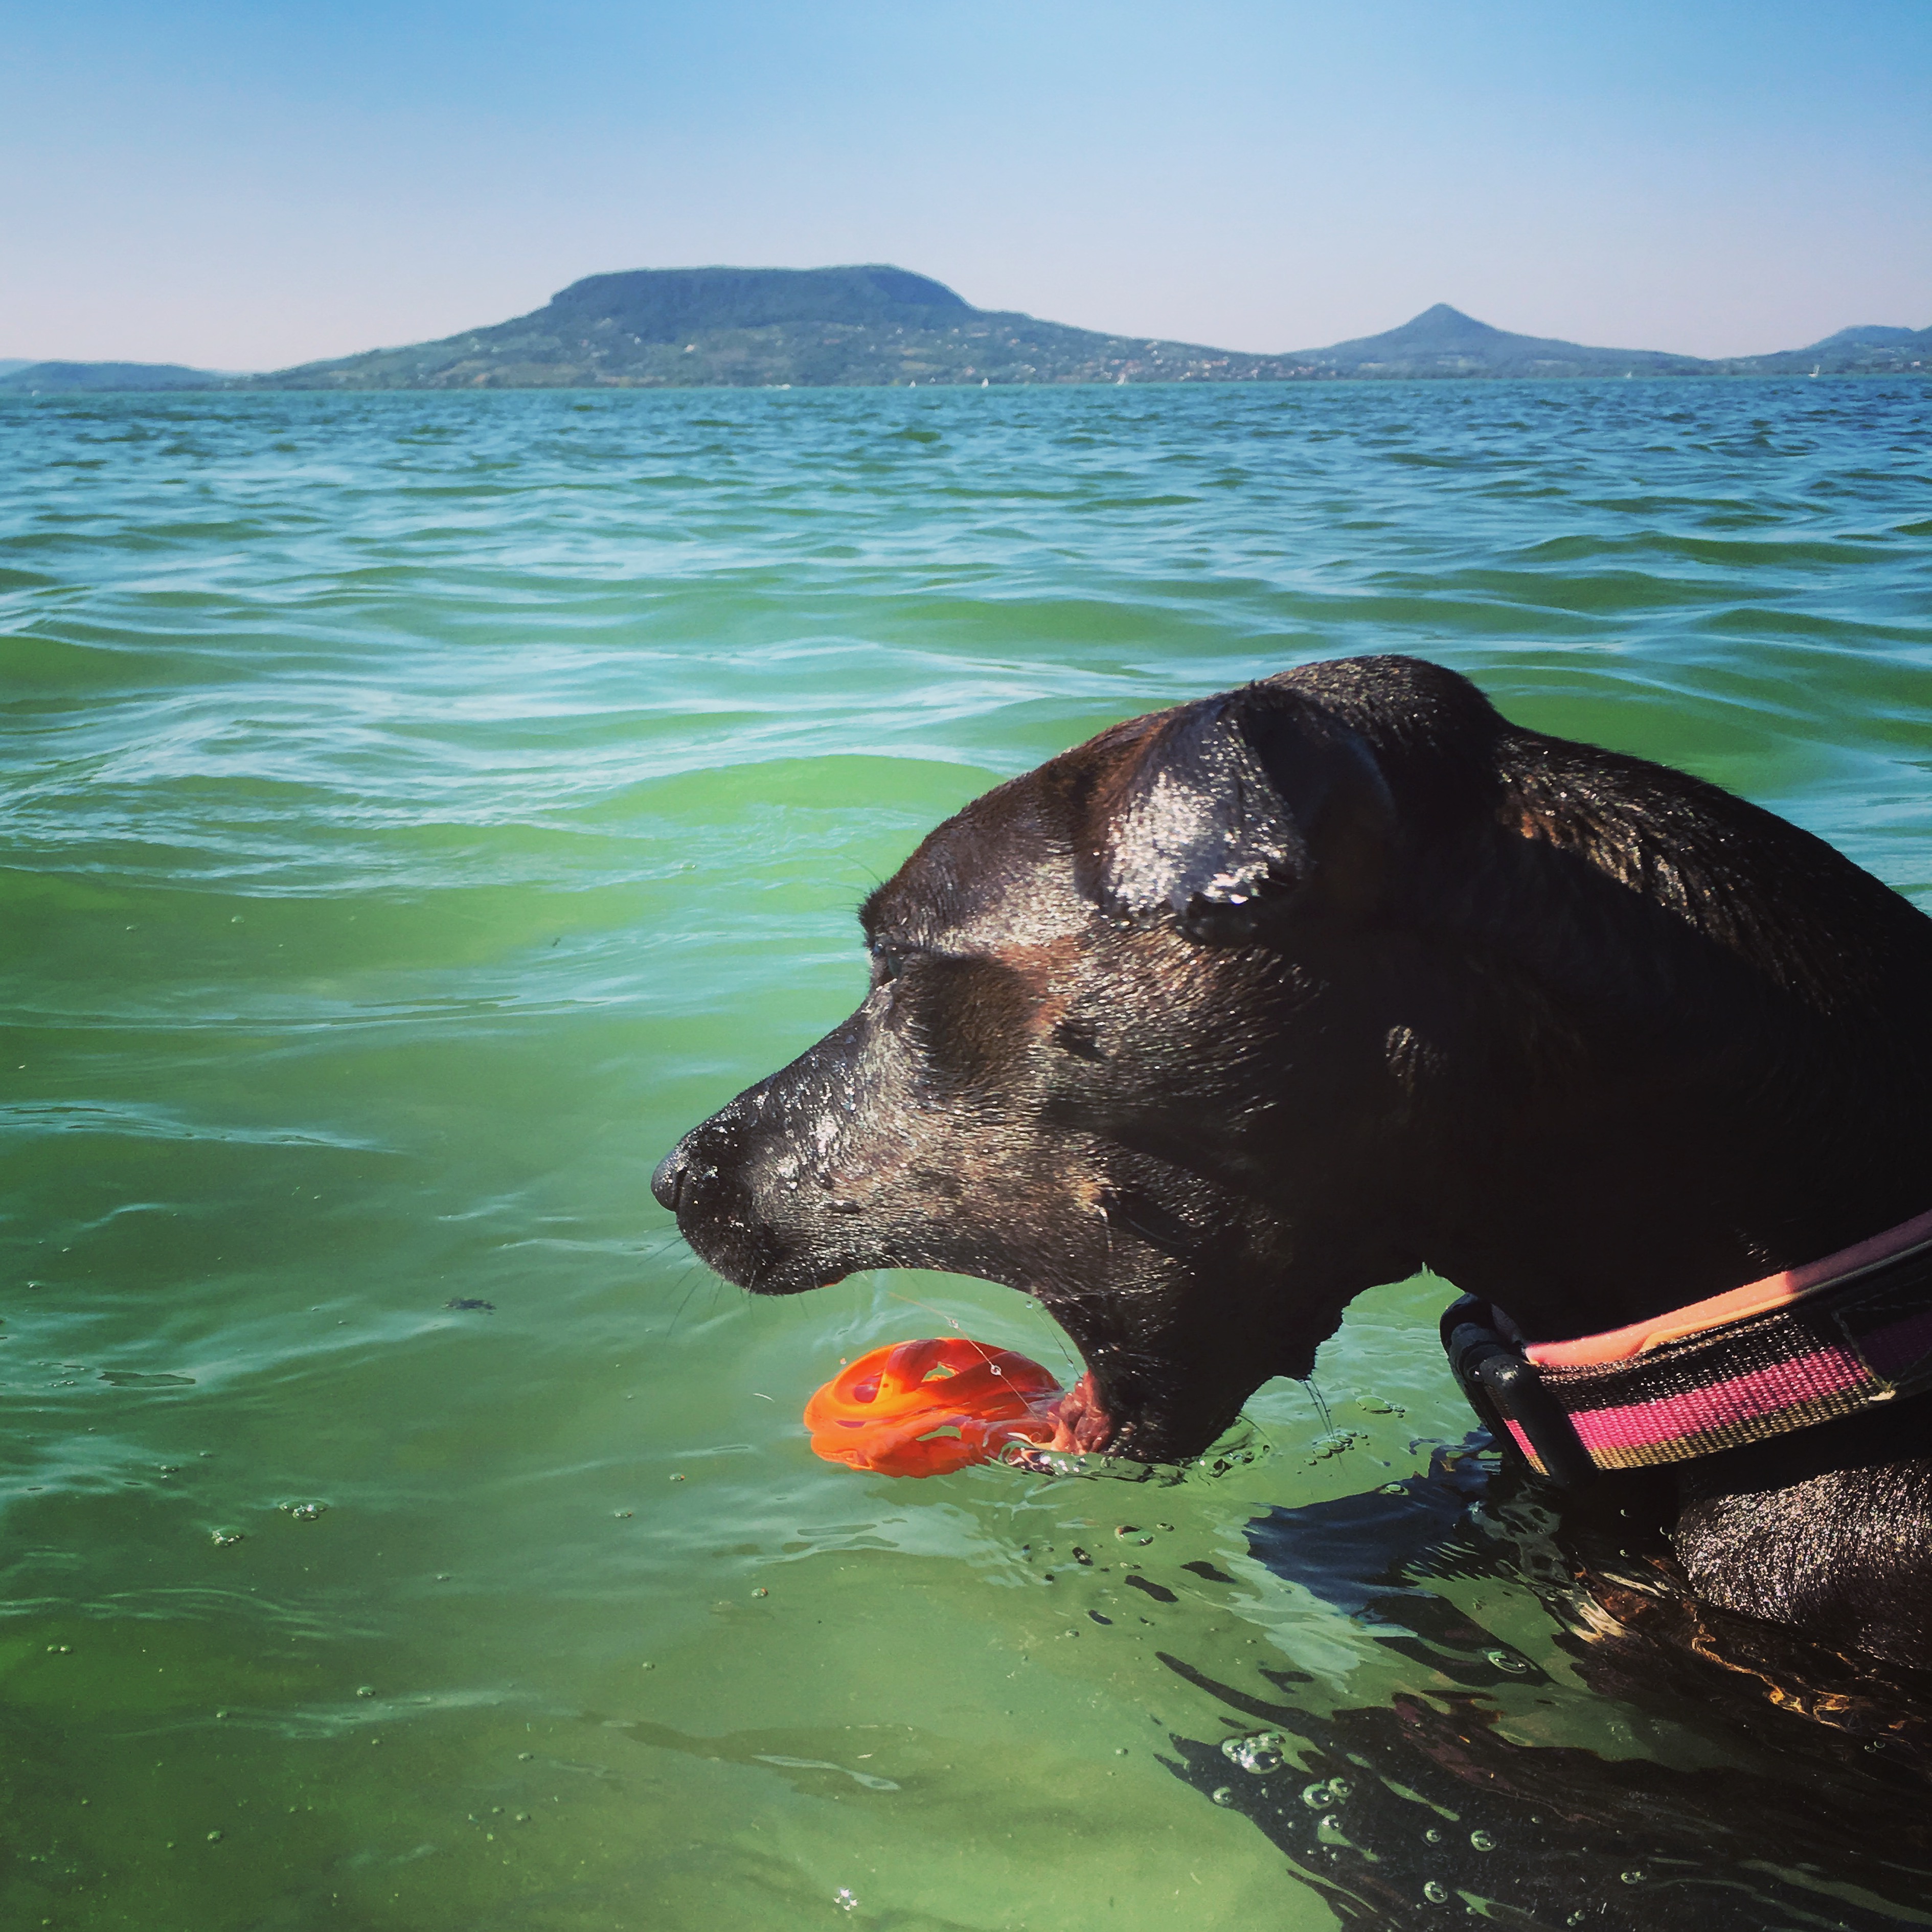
(1503,1660)
(1436,1894)
(1259,1754)
(1635,1876)
(1482,1841)
(1223,1794)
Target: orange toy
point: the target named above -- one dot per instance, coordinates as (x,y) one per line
(886,1410)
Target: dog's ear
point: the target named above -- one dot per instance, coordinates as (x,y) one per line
(1234,811)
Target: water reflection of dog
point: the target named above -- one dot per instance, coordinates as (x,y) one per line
(1210,1023)
(1806,1806)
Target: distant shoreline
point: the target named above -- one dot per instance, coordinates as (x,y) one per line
(246,386)
(880,327)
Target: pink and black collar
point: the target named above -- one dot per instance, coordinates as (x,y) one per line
(1799,1347)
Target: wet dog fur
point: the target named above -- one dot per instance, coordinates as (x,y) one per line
(1209,1024)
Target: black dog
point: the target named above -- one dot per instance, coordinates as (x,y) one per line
(1210,1023)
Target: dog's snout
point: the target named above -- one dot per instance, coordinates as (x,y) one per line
(667,1179)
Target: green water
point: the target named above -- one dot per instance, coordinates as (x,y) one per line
(418,810)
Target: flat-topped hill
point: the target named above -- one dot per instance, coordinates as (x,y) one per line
(672,304)
(766,328)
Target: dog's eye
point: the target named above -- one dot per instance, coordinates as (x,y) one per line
(888,963)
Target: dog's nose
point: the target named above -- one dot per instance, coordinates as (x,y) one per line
(668,1179)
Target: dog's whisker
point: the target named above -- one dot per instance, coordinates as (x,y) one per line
(1321,1402)
(692,1276)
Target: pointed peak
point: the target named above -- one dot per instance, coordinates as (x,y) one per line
(1442,340)
(1443,324)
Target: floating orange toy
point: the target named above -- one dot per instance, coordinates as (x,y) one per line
(926,1409)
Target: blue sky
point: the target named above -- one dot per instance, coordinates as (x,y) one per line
(243,186)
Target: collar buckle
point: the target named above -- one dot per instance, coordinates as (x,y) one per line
(1505,1390)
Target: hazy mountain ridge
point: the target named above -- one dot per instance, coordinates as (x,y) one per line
(877,326)
(1872,336)
(1870,349)
(37,376)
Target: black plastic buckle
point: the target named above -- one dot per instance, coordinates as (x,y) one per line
(1503,1386)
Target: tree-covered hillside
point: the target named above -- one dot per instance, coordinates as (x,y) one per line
(762,327)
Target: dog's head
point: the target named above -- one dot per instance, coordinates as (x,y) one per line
(1131,1046)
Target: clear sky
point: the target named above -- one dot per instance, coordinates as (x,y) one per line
(239,184)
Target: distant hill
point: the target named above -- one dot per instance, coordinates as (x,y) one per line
(9,364)
(812,327)
(1443,341)
(1871,350)
(1872,336)
(46,376)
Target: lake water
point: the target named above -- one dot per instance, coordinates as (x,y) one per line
(419,809)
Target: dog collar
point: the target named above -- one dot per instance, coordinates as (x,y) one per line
(1795,1349)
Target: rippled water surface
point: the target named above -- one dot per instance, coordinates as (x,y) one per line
(418,809)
